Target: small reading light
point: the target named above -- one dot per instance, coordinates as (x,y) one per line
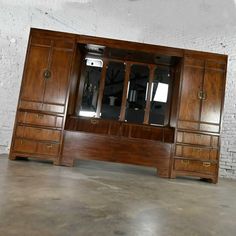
(94,62)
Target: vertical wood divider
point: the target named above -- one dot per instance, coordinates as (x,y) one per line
(148,102)
(101,87)
(125,91)
(169,100)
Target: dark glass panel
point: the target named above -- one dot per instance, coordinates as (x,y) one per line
(113,91)
(159,96)
(137,92)
(90,91)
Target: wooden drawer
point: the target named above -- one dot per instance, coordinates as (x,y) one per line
(195,166)
(115,128)
(146,132)
(90,125)
(38,133)
(215,128)
(40,119)
(38,106)
(197,139)
(51,149)
(196,153)
(34,147)
(21,145)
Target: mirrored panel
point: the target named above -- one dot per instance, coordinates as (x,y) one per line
(113,91)
(159,109)
(90,91)
(137,93)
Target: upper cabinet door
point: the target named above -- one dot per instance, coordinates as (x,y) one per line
(190,104)
(36,64)
(57,85)
(47,70)
(202,92)
(213,89)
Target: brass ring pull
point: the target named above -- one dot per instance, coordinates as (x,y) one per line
(200,94)
(204,96)
(40,116)
(47,74)
(94,121)
(206,164)
(185,162)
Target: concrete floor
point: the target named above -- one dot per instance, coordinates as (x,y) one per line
(97,198)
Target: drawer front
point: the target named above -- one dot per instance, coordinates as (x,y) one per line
(146,132)
(48,149)
(34,147)
(38,133)
(195,166)
(40,119)
(38,106)
(197,139)
(92,125)
(21,145)
(195,126)
(196,153)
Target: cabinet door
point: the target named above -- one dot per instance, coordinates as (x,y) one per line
(191,85)
(34,82)
(57,84)
(213,89)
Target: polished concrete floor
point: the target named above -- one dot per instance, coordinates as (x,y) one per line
(97,198)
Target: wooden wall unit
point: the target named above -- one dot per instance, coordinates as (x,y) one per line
(41,111)
(197,144)
(49,125)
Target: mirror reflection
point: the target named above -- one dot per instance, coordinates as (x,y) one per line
(90,91)
(159,96)
(137,92)
(113,90)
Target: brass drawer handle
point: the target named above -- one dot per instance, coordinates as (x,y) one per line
(206,164)
(185,162)
(47,74)
(40,116)
(93,121)
(49,146)
(200,94)
(204,95)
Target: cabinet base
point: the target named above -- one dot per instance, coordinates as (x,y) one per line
(12,157)
(163,173)
(203,177)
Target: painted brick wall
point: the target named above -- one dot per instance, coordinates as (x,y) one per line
(193,24)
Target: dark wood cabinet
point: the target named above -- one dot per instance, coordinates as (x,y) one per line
(47,71)
(200,111)
(85,97)
(213,88)
(56,86)
(41,109)
(190,105)
(37,62)
(202,94)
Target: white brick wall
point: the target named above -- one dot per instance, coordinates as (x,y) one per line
(193,24)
